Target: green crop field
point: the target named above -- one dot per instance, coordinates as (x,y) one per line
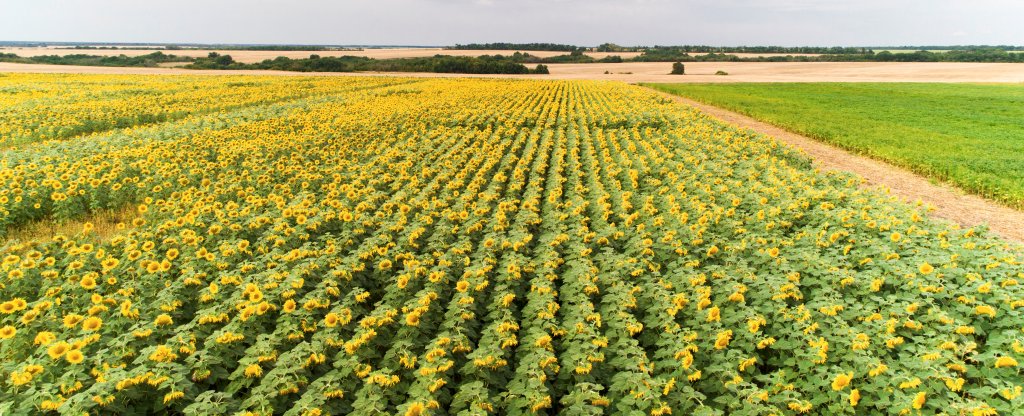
(968,134)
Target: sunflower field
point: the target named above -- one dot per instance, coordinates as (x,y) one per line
(389,246)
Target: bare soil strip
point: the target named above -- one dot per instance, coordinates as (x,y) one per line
(950,203)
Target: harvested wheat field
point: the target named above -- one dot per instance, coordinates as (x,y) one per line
(246,56)
(657,72)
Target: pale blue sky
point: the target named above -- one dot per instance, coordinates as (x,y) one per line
(581,22)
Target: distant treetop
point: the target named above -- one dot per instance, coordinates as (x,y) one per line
(502,46)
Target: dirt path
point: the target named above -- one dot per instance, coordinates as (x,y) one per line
(950,203)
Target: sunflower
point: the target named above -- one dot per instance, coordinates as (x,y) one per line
(919,400)
(92,324)
(163,319)
(72,320)
(7,332)
(714,314)
(1005,361)
(723,338)
(331,320)
(58,350)
(712,251)
(44,338)
(841,381)
(74,356)
(172,396)
(110,263)
(253,370)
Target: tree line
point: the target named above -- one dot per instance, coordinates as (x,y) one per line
(503,46)
(498,64)
(819,50)
(611,47)
(983,55)
(436,64)
(150,60)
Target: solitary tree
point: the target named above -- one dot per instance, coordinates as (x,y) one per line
(678,69)
(224,60)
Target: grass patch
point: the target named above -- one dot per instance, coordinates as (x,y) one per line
(969,135)
(101,225)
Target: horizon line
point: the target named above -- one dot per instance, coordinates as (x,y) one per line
(116,43)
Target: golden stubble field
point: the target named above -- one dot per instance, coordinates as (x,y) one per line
(627,71)
(658,72)
(258,56)
(381,53)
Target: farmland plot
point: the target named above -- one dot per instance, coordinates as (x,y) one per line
(471,247)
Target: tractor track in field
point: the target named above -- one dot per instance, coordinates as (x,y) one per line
(949,203)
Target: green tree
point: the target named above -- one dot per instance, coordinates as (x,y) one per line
(678,69)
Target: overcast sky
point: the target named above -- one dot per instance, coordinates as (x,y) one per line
(580,22)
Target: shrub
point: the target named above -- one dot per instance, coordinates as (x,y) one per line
(678,69)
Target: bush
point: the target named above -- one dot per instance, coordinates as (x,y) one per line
(720,72)
(678,69)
